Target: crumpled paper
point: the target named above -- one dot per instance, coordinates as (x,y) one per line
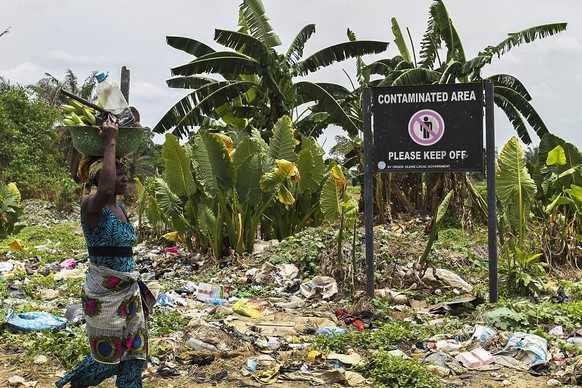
(324,286)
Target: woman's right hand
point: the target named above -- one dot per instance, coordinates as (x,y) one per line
(109,131)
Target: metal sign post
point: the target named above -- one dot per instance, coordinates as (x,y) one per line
(368,189)
(491,197)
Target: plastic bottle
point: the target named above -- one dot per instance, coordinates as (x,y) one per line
(201,346)
(109,94)
(217,301)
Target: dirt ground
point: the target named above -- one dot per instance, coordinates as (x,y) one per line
(45,376)
(228,368)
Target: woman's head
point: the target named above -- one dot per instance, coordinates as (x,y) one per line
(90,169)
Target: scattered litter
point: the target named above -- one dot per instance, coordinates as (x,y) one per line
(33,321)
(526,348)
(331,331)
(198,345)
(249,307)
(75,315)
(447,277)
(68,264)
(483,333)
(475,358)
(324,286)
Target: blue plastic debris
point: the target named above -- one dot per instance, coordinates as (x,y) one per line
(331,331)
(33,321)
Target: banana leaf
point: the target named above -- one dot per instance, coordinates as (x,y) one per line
(515,187)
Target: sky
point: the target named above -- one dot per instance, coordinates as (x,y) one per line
(53,36)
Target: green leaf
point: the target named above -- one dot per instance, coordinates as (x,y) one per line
(245,44)
(417,76)
(523,106)
(515,187)
(189,45)
(329,200)
(513,180)
(310,165)
(556,156)
(399,40)
(221,62)
(330,104)
(253,20)
(514,117)
(206,219)
(170,205)
(295,51)
(178,173)
(444,205)
(338,53)
(195,108)
(214,169)
(283,142)
(248,179)
(575,192)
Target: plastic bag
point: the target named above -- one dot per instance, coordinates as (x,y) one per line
(124,119)
(249,307)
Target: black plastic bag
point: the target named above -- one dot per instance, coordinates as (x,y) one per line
(124,119)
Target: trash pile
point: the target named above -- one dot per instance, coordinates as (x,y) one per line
(258,325)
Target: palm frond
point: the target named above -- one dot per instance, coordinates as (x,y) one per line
(245,44)
(194,107)
(528,35)
(524,108)
(417,76)
(253,19)
(450,73)
(385,66)
(448,33)
(514,117)
(514,39)
(338,53)
(191,82)
(228,64)
(295,51)
(188,45)
(399,41)
(511,82)
(318,93)
(431,41)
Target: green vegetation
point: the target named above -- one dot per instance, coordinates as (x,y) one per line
(52,244)
(166,321)
(389,371)
(303,249)
(27,150)
(10,210)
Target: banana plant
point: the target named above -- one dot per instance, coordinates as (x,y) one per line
(10,210)
(336,204)
(436,223)
(216,187)
(515,188)
(257,84)
(516,191)
(559,180)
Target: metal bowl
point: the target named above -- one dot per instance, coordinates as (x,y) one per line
(87,141)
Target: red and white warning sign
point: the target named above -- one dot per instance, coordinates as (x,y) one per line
(426,127)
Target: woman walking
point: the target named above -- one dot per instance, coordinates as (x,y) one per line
(113,296)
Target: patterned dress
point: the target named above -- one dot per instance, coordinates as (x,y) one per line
(113,307)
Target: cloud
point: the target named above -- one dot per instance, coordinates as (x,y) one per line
(68,58)
(148,92)
(25,73)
